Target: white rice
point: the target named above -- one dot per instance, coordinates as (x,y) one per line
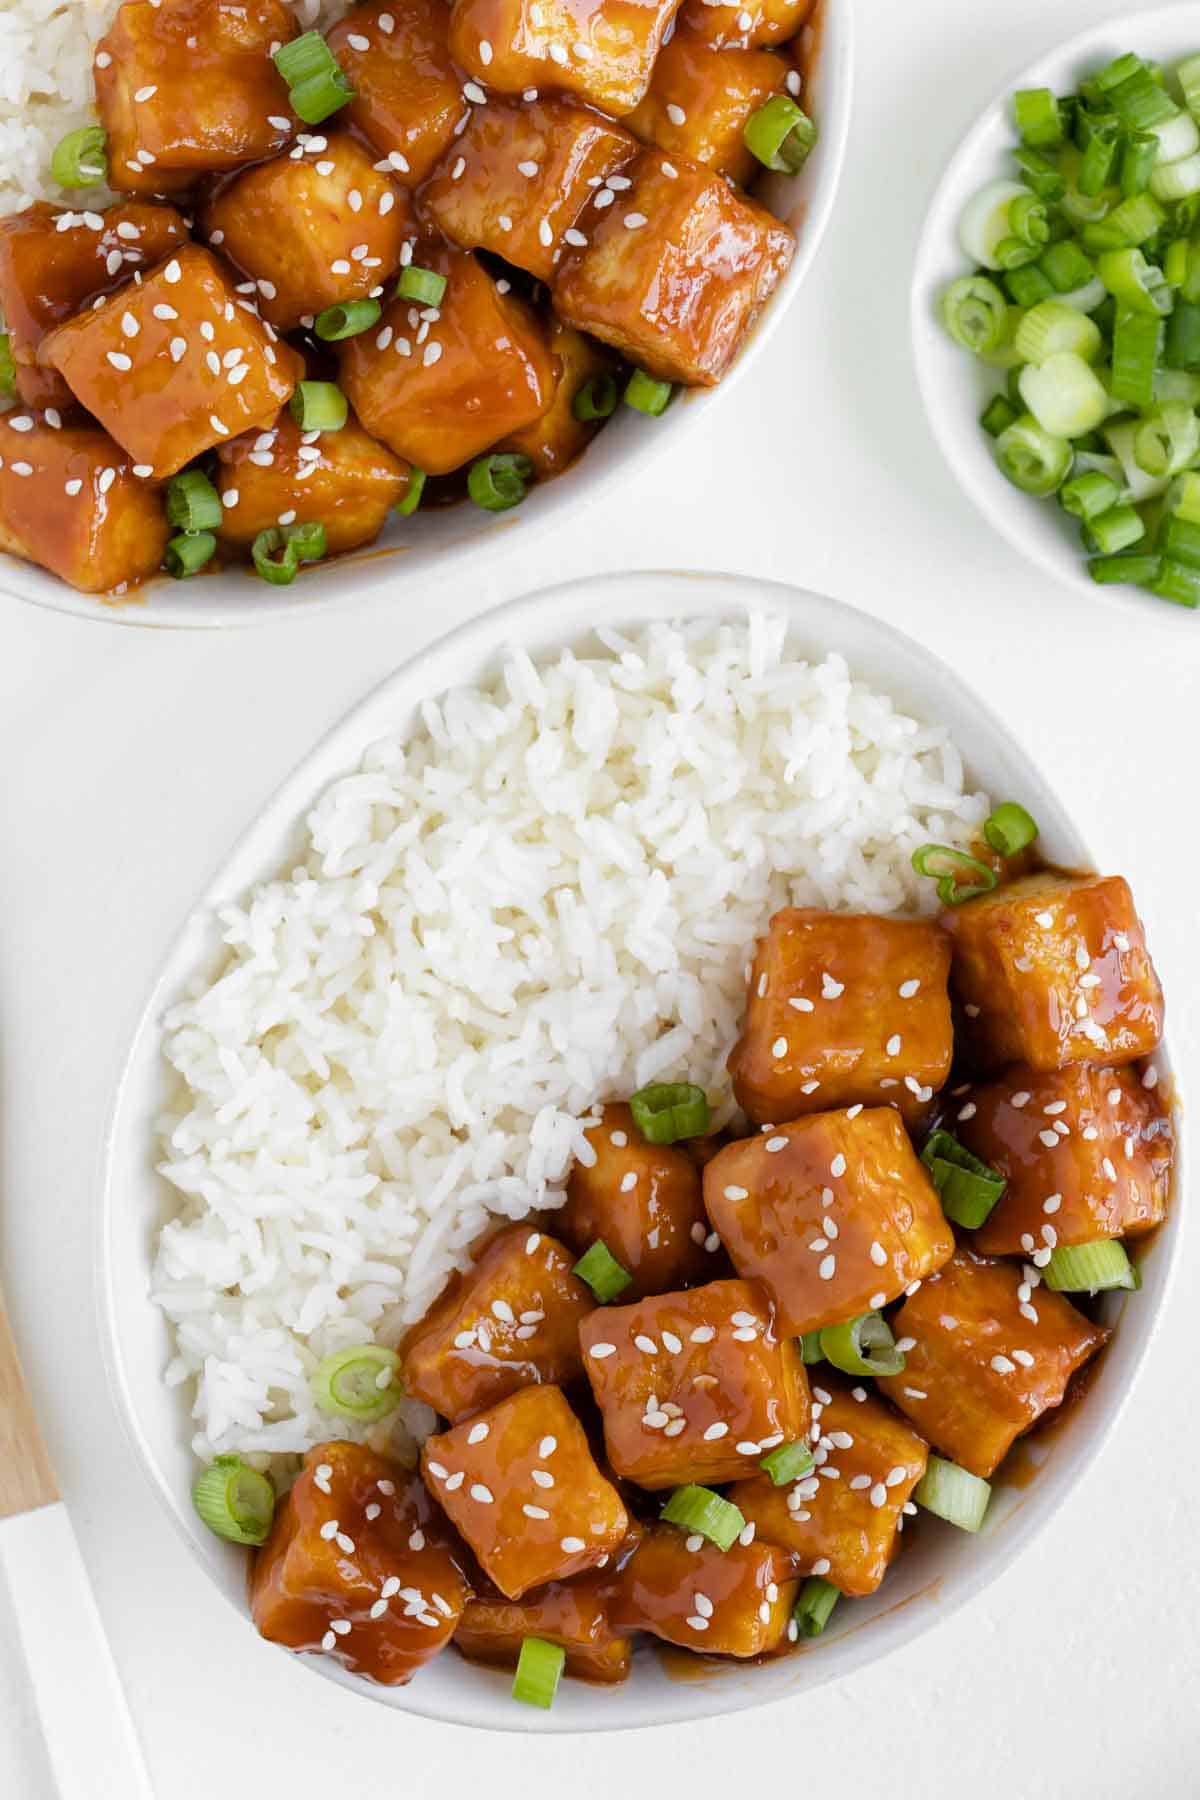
(542,899)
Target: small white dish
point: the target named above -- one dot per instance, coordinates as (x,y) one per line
(955,386)
(942,1568)
(446,543)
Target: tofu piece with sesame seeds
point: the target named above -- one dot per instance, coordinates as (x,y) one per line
(737,27)
(987,1353)
(699,99)
(676,269)
(680,1587)
(344,480)
(1053,969)
(842,1520)
(70,502)
(521,1485)
(554,441)
(53,262)
(834,1213)
(511,1320)
(160,364)
(440,384)
(572,1614)
(187,87)
(312,228)
(693,1386)
(844,1007)
(1086,1153)
(360,1565)
(408,94)
(600,51)
(517,179)
(644,1202)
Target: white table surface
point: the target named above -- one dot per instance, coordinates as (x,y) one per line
(130,760)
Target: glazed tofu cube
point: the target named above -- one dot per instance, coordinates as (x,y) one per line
(602,51)
(186,87)
(834,1213)
(513,1319)
(1053,969)
(553,442)
(344,481)
(844,1008)
(737,27)
(519,176)
(522,1486)
(175,365)
(573,1614)
(440,384)
(409,94)
(1086,1153)
(699,100)
(842,1519)
(54,262)
(70,501)
(734,1602)
(360,1564)
(311,228)
(643,1201)
(693,1386)
(675,271)
(987,1355)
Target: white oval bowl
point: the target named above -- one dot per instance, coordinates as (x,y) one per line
(955,385)
(943,1568)
(447,542)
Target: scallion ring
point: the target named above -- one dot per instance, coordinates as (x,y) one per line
(787,1463)
(959,876)
(278,552)
(596,399)
(780,134)
(863,1346)
(699,1509)
(1010,828)
(8,368)
(539,1667)
(1089,1268)
(810,1348)
(235,1501)
(646,395)
(81,158)
(319,406)
(193,502)
(975,313)
(412,498)
(603,1273)
(952,1493)
(499,481)
(303,57)
(424,287)
(667,1111)
(187,554)
(814,1604)
(346,320)
(967,1188)
(360,1382)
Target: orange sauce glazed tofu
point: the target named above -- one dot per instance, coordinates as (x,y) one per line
(314,227)
(734,1602)
(513,1319)
(520,1483)
(842,1519)
(1086,1153)
(844,1007)
(553,442)
(834,1213)
(699,99)
(643,1201)
(70,501)
(573,1614)
(602,51)
(187,87)
(343,480)
(409,96)
(360,1564)
(53,262)
(675,270)
(693,1386)
(440,384)
(987,1354)
(519,176)
(736,27)
(174,366)
(1053,969)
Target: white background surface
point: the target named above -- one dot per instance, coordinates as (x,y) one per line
(130,760)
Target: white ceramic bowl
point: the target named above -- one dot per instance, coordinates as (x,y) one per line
(447,543)
(955,386)
(942,1568)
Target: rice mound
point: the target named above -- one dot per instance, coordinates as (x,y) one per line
(542,899)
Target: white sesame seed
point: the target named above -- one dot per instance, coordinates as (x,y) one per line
(827,1268)
(345,1543)
(629,1181)
(878,1495)
(633,221)
(1002,1365)
(534,1512)
(703,1334)
(1021,1099)
(531,1244)
(697,1623)
(799,1004)
(357,42)
(481,1493)
(172,273)
(145,93)
(73,487)
(104,481)
(719,1430)
(892,1047)
(558,54)
(671,1343)
(341,1626)
(774,1145)
(455,1481)
(432,354)
(542,1478)
(329,1641)
(838,1166)
(478,1432)
(675,1427)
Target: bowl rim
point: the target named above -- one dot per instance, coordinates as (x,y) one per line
(478,643)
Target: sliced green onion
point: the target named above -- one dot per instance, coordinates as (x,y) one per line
(412,499)
(1064,394)
(1117,71)
(1175,264)
(1028,222)
(952,1493)
(314,77)
(984,227)
(539,1668)
(699,1509)
(1089,1268)
(646,395)
(193,502)
(1028,285)
(1013,252)
(1133,222)
(319,406)
(786,1463)
(1032,459)
(1134,282)
(81,158)
(499,481)
(308,541)
(1138,485)
(1051,327)
(1010,829)
(780,134)
(810,1348)
(304,57)
(346,320)
(967,1188)
(361,1382)
(8,368)
(1178,139)
(1039,174)
(1184,499)
(1179,539)
(1116,530)
(187,554)
(596,399)
(320,96)
(1176,180)
(278,552)
(1167,439)
(1177,582)
(1099,156)
(998,415)
(425,287)
(975,313)
(814,1603)
(863,1346)
(1181,349)
(603,1273)
(959,876)
(1138,157)
(1087,496)
(1187,74)
(1066,267)
(235,1501)
(1140,570)
(1137,345)
(1140,103)
(1037,118)
(667,1111)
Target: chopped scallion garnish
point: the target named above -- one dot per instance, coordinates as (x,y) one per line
(810,1348)
(412,499)
(424,287)
(967,1188)
(698,1509)
(361,1382)
(863,1346)
(975,313)
(952,1493)
(667,1111)
(780,134)
(539,1668)
(814,1605)
(1010,829)
(646,395)
(278,552)
(603,1273)
(188,553)
(235,1501)
(81,158)
(787,1463)
(193,502)
(959,877)
(1089,1268)
(596,399)
(319,406)
(346,320)
(499,482)
(8,368)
